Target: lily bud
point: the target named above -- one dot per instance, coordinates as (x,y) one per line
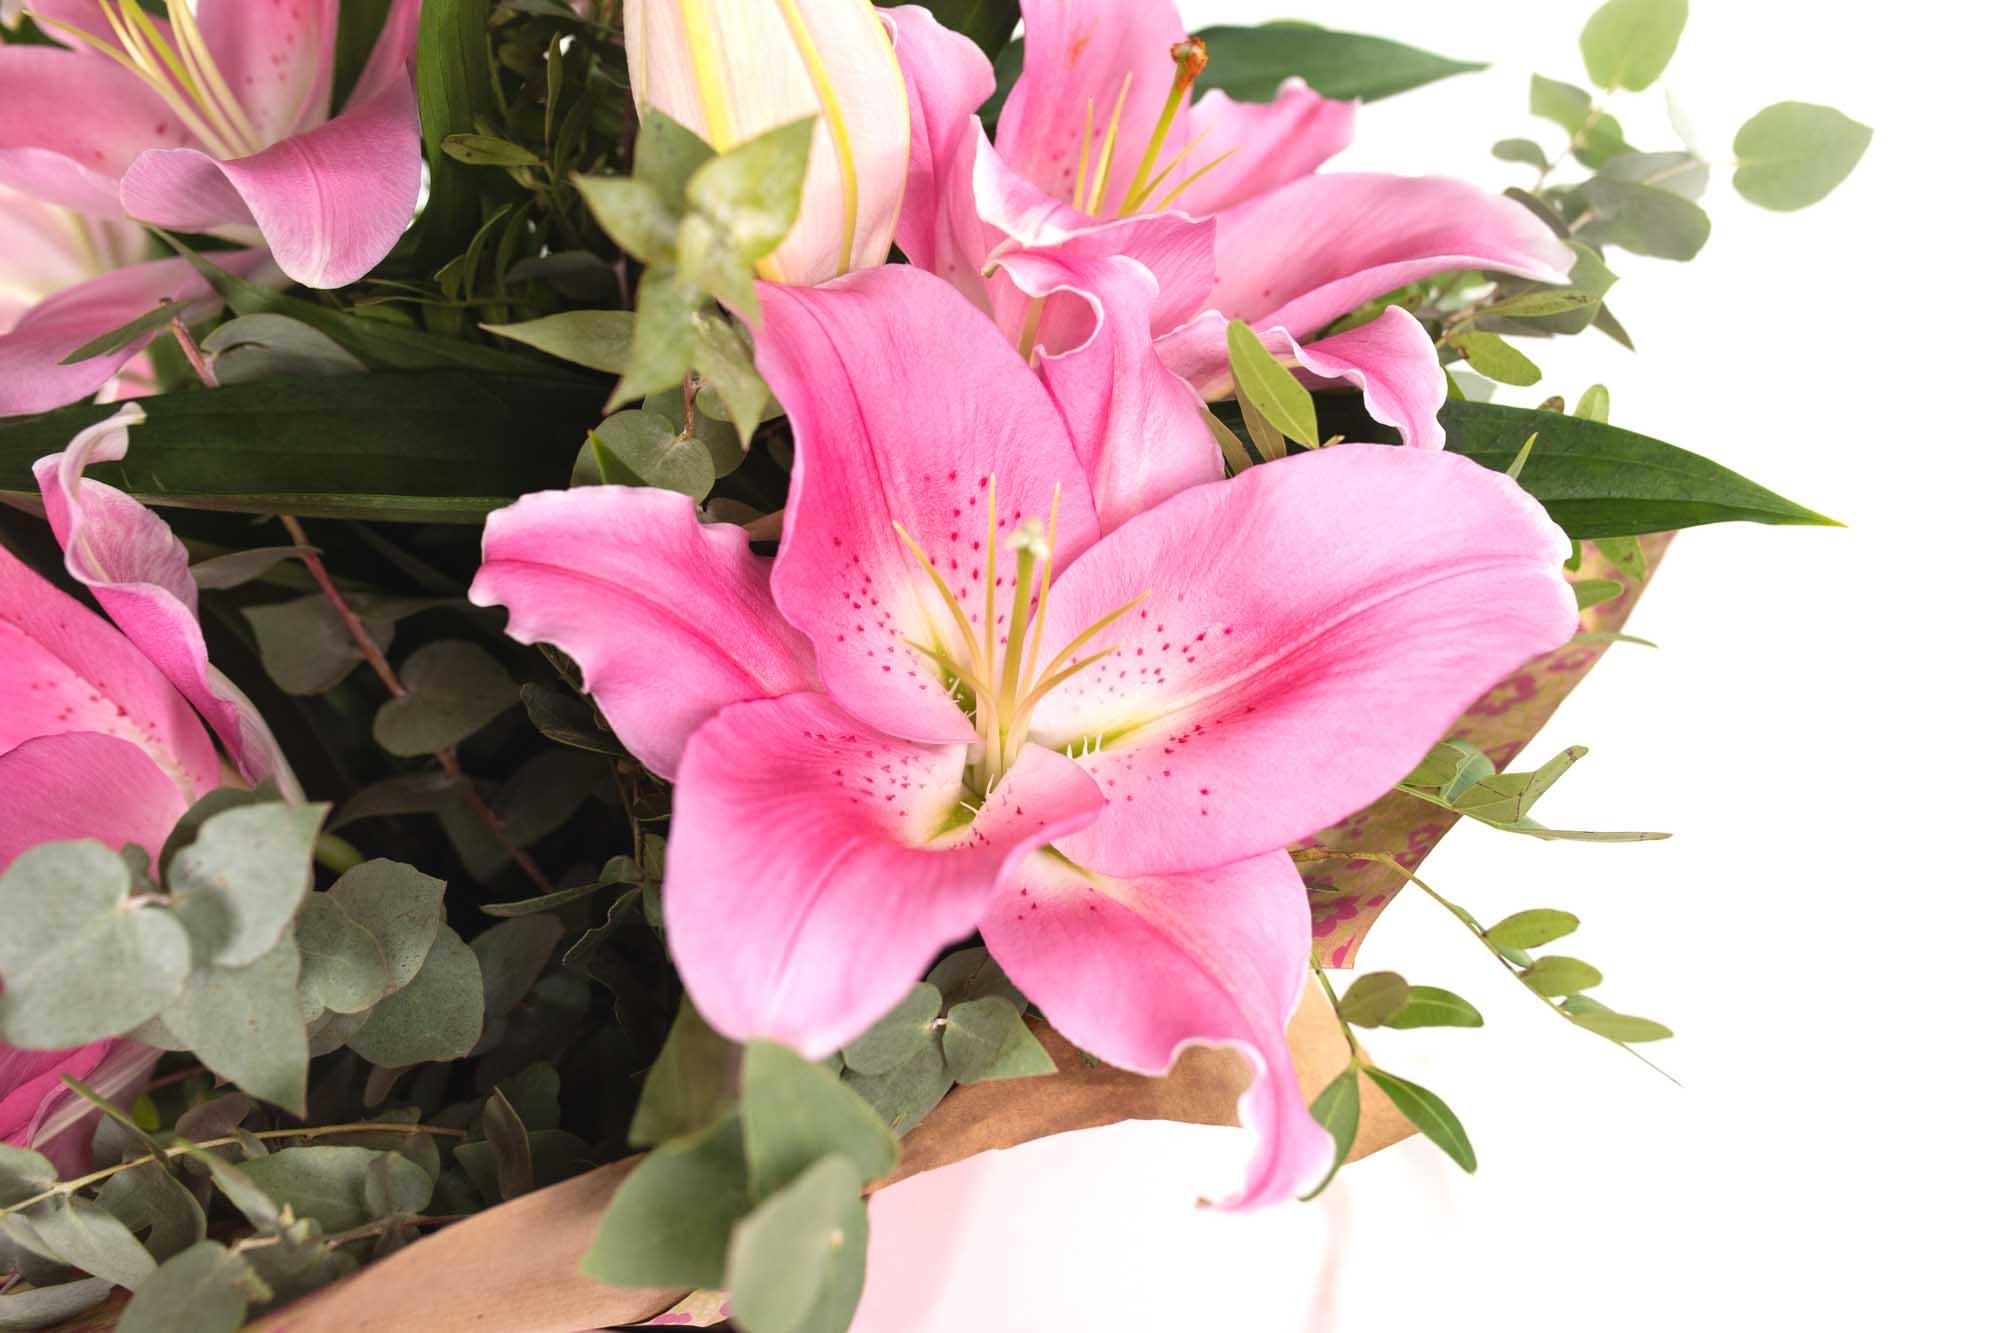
(731,69)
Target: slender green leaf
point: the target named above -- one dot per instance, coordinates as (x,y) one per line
(1250,63)
(1270,387)
(1621,1027)
(1432,1118)
(1338,1107)
(137,330)
(600,339)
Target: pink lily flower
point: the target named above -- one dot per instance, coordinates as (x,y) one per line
(98,739)
(219,122)
(66,279)
(1095,156)
(953,701)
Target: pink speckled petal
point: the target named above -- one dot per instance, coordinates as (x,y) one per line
(904,401)
(277,57)
(947,78)
(668,618)
(70,124)
(138,571)
(816,866)
(64,669)
(1310,628)
(1138,427)
(1134,970)
(80,784)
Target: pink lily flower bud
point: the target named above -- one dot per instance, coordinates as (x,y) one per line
(732,69)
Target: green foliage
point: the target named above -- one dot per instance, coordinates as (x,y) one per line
(1627,43)
(1428,1113)
(453,688)
(986,1039)
(1458,777)
(244,1023)
(1268,391)
(899,1034)
(1338,1108)
(206,1288)
(1250,63)
(690,1087)
(1374,999)
(438,1015)
(269,346)
(669,1222)
(600,339)
(1434,1007)
(1496,360)
(1794,154)
(797,1262)
(330,1185)
(238,885)
(989,23)
(796,1112)
(1531,929)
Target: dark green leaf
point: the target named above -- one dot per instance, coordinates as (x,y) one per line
(669,1222)
(1600,481)
(796,1264)
(1557,975)
(453,689)
(1795,153)
(262,347)
(138,330)
(78,963)
(1531,929)
(438,446)
(1627,43)
(512,956)
(513,1159)
(647,450)
(148,1198)
(988,23)
(971,973)
(986,1039)
(483,150)
(898,1034)
(307,648)
(1374,999)
(1250,63)
(1432,1118)
(1434,1007)
(453,95)
(554,1155)
(796,1112)
(330,1184)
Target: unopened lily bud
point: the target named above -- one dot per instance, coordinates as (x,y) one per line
(731,69)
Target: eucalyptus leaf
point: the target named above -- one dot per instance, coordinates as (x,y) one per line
(1683,173)
(80,1233)
(45,1307)
(1597,135)
(24,1173)
(1521,150)
(513,1157)
(1644,219)
(400,906)
(651,452)
(796,1264)
(244,1023)
(237,568)
(1427,1112)
(1434,1007)
(437,1016)
(796,1112)
(1557,975)
(666,155)
(329,1183)
(897,1035)
(669,1221)
(264,346)
(206,1288)
(308,649)
(971,973)
(1627,43)
(79,960)
(453,689)
(752,191)
(633,214)
(147,1198)
(512,956)
(986,1039)
(237,886)
(1793,154)
(909,1092)
(600,339)
(723,357)
(664,336)
(342,965)
(1374,999)
(1531,929)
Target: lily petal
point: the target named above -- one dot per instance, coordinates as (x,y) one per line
(1136,970)
(1177,249)
(669,619)
(816,866)
(890,431)
(70,124)
(1137,426)
(60,1124)
(1267,144)
(1303,255)
(276,57)
(330,203)
(1310,629)
(138,571)
(63,669)
(1079,53)
(947,78)
(83,785)
(1391,359)
(33,377)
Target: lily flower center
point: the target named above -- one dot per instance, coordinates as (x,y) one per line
(1093,180)
(999,678)
(178,67)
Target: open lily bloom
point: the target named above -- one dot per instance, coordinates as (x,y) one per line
(953,701)
(1097,153)
(65,280)
(219,122)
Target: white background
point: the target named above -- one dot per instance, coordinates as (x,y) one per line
(1816,730)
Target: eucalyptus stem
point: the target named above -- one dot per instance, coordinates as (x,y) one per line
(162,1155)
(1478,932)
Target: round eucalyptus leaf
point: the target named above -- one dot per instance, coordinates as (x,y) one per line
(238,885)
(454,689)
(438,1016)
(796,1263)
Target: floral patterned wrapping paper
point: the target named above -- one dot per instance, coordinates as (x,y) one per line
(1349,896)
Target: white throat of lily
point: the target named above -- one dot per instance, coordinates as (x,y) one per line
(1093,181)
(988,673)
(178,67)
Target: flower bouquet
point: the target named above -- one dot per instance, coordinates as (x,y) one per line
(804,589)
